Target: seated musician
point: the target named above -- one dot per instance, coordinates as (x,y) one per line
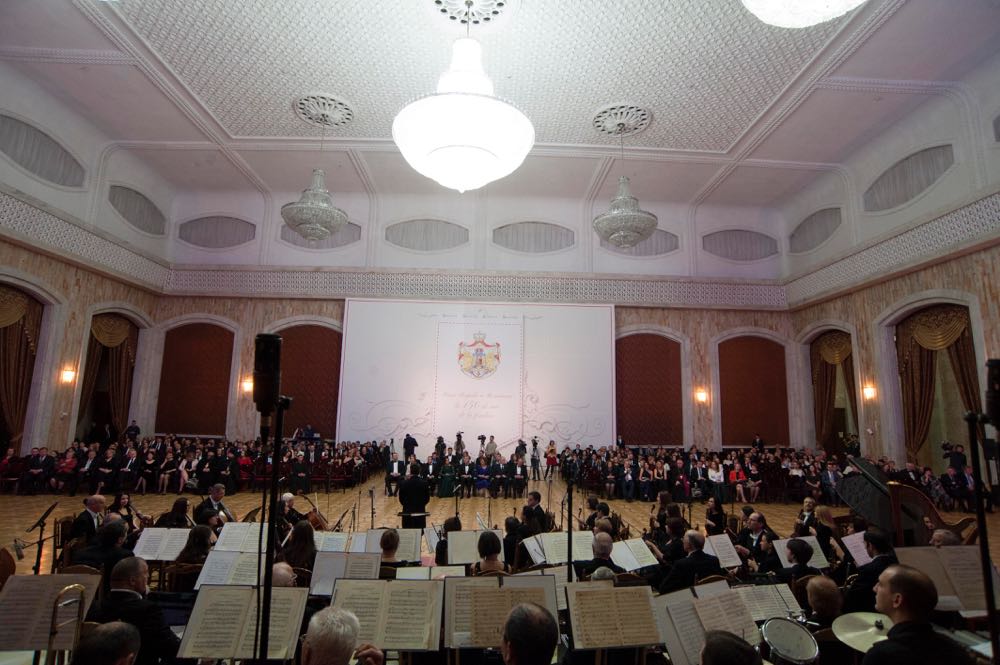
(115,642)
(673,547)
(287,509)
(769,562)
(798,553)
(176,517)
(530,636)
(908,596)
(944,538)
(602,557)
(441,551)
(748,540)
(198,545)
(696,565)
(825,600)
(489,555)
(332,639)
(106,550)
(299,551)
(127,602)
(87,522)
(212,511)
(722,648)
(860,596)
(389,543)
(510,538)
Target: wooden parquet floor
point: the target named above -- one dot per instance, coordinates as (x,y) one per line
(17,513)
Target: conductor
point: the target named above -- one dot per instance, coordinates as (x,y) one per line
(414,493)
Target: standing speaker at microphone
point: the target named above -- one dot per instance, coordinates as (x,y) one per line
(266,372)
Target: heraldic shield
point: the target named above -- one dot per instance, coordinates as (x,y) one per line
(478,359)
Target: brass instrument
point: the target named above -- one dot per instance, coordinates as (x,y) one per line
(53,656)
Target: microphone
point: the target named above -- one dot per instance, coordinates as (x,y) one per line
(18,548)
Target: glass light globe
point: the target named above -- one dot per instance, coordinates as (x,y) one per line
(799,13)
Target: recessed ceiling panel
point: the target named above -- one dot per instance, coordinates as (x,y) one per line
(347,234)
(118,99)
(739,245)
(707,68)
(676,182)
(427,235)
(832,124)
(39,153)
(47,24)
(548,177)
(760,186)
(217,232)
(194,169)
(291,170)
(533,237)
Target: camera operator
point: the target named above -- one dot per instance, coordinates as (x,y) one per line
(955,455)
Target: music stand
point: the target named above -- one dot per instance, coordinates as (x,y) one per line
(40,525)
(414,520)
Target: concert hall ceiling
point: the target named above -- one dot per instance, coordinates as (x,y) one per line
(769,154)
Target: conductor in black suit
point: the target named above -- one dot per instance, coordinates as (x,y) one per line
(414,493)
(696,565)
(127,602)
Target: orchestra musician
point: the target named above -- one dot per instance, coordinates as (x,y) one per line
(212,512)
(177,516)
(414,494)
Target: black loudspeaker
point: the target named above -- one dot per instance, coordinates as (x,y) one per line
(993,391)
(266,372)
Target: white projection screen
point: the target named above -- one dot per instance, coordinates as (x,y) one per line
(508,370)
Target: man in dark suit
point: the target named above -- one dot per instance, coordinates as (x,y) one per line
(828,482)
(127,602)
(534,509)
(430,473)
(86,523)
(106,550)
(37,470)
(394,474)
(211,511)
(748,540)
(466,475)
(498,477)
(602,557)
(414,494)
(696,565)
(409,444)
(907,596)
(860,596)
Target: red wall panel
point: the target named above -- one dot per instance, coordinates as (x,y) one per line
(648,390)
(310,373)
(753,392)
(194,382)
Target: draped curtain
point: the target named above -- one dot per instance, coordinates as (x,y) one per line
(918,339)
(20,325)
(826,353)
(118,337)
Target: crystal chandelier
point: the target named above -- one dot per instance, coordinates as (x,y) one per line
(624,224)
(462,136)
(799,13)
(314,216)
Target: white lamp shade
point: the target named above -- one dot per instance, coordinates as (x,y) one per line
(799,13)
(462,136)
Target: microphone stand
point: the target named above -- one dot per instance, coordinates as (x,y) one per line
(272,524)
(456,501)
(40,525)
(548,507)
(371,495)
(569,531)
(974,420)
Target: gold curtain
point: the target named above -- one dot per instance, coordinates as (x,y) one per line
(20,326)
(110,329)
(936,328)
(833,346)
(117,337)
(826,352)
(121,364)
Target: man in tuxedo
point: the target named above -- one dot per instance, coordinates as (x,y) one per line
(211,511)
(954,486)
(828,482)
(534,509)
(908,596)
(430,473)
(518,475)
(394,474)
(86,523)
(106,550)
(602,557)
(696,565)
(37,471)
(466,475)
(498,477)
(748,540)
(127,602)
(860,596)
(414,493)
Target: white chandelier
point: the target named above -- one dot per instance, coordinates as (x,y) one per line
(799,13)
(313,216)
(625,224)
(462,136)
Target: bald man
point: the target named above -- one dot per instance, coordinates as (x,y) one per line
(86,523)
(602,557)
(908,596)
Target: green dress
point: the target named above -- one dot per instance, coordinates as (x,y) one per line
(446,482)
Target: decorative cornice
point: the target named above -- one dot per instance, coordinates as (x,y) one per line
(71,56)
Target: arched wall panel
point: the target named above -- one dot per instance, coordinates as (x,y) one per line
(310,373)
(194,381)
(648,390)
(753,391)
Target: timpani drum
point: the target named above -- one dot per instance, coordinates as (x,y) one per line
(788,642)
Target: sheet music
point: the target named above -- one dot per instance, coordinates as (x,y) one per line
(547,583)
(723,548)
(561,575)
(288,605)
(216,569)
(431,535)
(589,612)
(490,608)
(583,545)
(622,555)
(641,552)
(413,573)
(459,593)
(412,615)
(246,568)
(462,547)
(764,602)
(555,546)
(362,566)
(331,541)
(788,597)
(964,568)
(633,610)
(855,544)
(359,542)
(150,541)
(363,598)
(926,559)
(26,610)
(216,623)
(372,540)
(533,546)
(328,567)
(679,608)
(727,612)
(818,559)
(409,544)
(481,523)
(712,589)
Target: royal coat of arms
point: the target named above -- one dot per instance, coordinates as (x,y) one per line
(478,359)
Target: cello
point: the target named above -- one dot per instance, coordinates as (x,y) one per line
(315,517)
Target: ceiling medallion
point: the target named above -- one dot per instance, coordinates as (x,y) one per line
(622,119)
(476,12)
(799,13)
(322,110)
(624,224)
